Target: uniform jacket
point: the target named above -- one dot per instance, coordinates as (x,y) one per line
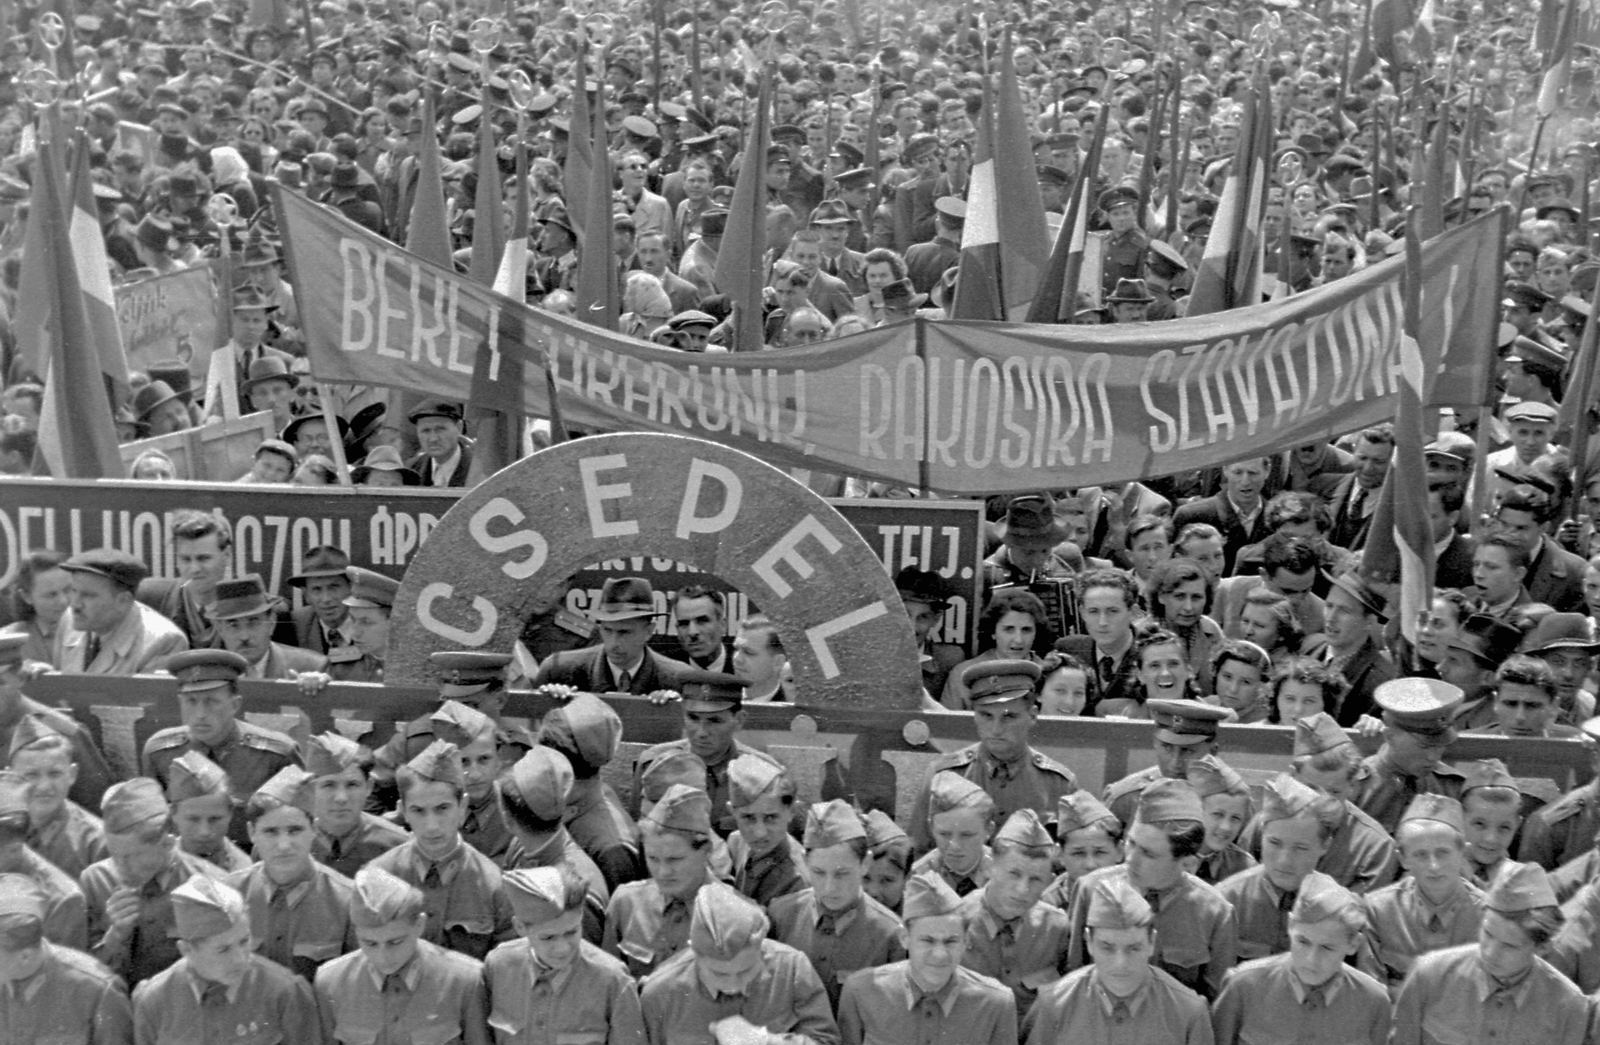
(593,1000)
(441,1001)
(1034,781)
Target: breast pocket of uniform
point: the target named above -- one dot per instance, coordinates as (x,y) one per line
(318,952)
(435,1033)
(355,1034)
(1438,1027)
(1186,956)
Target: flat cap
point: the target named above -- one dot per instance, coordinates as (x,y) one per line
(543,777)
(436,408)
(1519,887)
(1166,800)
(685,809)
(193,775)
(832,823)
(927,895)
(1115,904)
(380,898)
(118,567)
(202,907)
(726,922)
(1185,721)
(1532,412)
(997,681)
(131,804)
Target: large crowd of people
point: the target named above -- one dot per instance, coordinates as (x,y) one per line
(473,879)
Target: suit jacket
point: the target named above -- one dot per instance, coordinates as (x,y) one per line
(831,296)
(1556,577)
(141,643)
(683,294)
(1349,531)
(587,671)
(306,631)
(1453,567)
(281,660)
(1366,671)
(1218,511)
(671,649)
(852,268)
(422,464)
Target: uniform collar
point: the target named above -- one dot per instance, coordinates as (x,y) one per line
(945,996)
(1108,1001)
(1330,989)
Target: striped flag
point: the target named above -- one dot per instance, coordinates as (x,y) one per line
(1554,35)
(1400,546)
(494,404)
(1229,275)
(77,435)
(94,276)
(741,260)
(1057,299)
(1005,248)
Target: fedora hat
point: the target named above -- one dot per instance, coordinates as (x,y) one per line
(151,396)
(385,459)
(322,561)
(1031,522)
(366,422)
(625,598)
(1134,291)
(242,597)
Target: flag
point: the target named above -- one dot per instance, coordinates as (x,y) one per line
(1554,36)
(94,276)
(1422,37)
(428,227)
(77,434)
(1580,397)
(575,171)
(1005,250)
(1229,275)
(1438,185)
(1400,546)
(598,297)
(494,408)
(1057,299)
(741,260)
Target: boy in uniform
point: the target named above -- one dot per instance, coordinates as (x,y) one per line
(1225,798)
(1089,836)
(473,734)
(648,921)
(52,994)
(533,797)
(960,814)
(761,799)
(553,985)
(220,990)
(398,988)
(1309,994)
(1361,855)
(888,859)
(930,997)
(1491,807)
(201,798)
(59,829)
(588,732)
(347,836)
(65,920)
(1122,997)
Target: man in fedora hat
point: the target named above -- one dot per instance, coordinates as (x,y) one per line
(230,367)
(268,385)
(383,467)
(245,616)
(622,663)
(833,220)
(1353,611)
(446,456)
(1029,538)
(1130,301)
(323,623)
(160,410)
(927,596)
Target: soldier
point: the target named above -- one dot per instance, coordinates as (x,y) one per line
(1195,937)
(202,804)
(1435,906)
(648,922)
(588,733)
(1296,826)
(834,923)
(888,860)
(466,906)
(735,981)
(65,920)
(1497,989)
(1185,730)
(930,996)
(1127,242)
(1565,830)
(926,262)
(220,990)
(578,992)
(534,797)
(1310,993)
(1225,797)
(473,734)
(92,775)
(51,993)
(1011,935)
(1123,995)
(1089,838)
(59,829)
(761,798)
(347,836)
(370,602)
(1491,805)
(1417,729)
(129,892)
(209,701)
(1005,707)
(299,910)
(960,820)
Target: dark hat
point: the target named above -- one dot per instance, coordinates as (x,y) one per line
(1418,705)
(367,421)
(1312,144)
(118,567)
(924,586)
(1527,350)
(464,673)
(710,691)
(788,132)
(1118,195)
(346,176)
(851,177)
(996,681)
(1185,721)
(1558,204)
(1489,640)
(692,318)
(151,396)
(436,408)
(778,154)
(831,212)
(1525,294)
(1164,260)
(625,598)
(1532,412)
(1556,631)
(920,145)
(370,589)
(1031,522)
(1364,594)
(901,294)
(203,669)
(156,233)
(314,105)
(292,429)
(322,561)
(849,153)
(713,222)
(240,597)
(1049,173)
(1131,290)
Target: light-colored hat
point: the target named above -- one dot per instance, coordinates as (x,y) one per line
(131,804)
(203,907)
(537,894)
(1078,810)
(440,761)
(1285,797)
(832,823)
(685,809)
(380,898)
(1321,898)
(1024,828)
(543,777)
(1115,904)
(1212,776)
(1440,808)
(1166,800)
(950,790)
(193,775)
(927,895)
(752,778)
(329,754)
(289,786)
(460,725)
(726,922)
(1317,733)
(1519,887)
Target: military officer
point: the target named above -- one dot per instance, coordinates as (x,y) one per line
(534,796)
(1127,242)
(1417,716)
(370,602)
(1005,707)
(473,734)
(1185,730)
(50,993)
(1565,829)
(398,988)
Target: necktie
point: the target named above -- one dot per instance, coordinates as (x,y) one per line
(432,879)
(828,923)
(215,996)
(280,899)
(91,650)
(1153,898)
(1357,502)
(1316,997)
(1286,901)
(1119,1010)
(335,848)
(1108,668)
(394,983)
(623,681)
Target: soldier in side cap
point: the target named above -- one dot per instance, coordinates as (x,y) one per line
(65,918)
(588,732)
(534,794)
(474,735)
(1122,995)
(466,905)
(1011,934)
(766,860)
(888,859)
(578,991)
(129,892)
(960,817)
(1309,993)
(1417,716)
(1497,989)
(834,923)
(209,701)
(1433,907)
(1004,696)
(1492,803)
(1297,823)
(220,990)
(1089,837)
(107,631)
(59,829)
(369,603)
(735,981)
(1185,730)
(930,996)
(648,921)
(1195,936)
(93,776)
(299,909)
(50,993)
(1564,831)
(347,836)
(398,987)
(1225,798)
(201,799)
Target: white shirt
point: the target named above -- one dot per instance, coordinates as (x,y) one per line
(444,470)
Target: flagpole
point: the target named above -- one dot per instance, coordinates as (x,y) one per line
(1174,170)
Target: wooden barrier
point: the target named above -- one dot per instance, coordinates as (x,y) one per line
(884,755)
(218,451)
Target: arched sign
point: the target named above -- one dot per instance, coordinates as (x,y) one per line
(501,554)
